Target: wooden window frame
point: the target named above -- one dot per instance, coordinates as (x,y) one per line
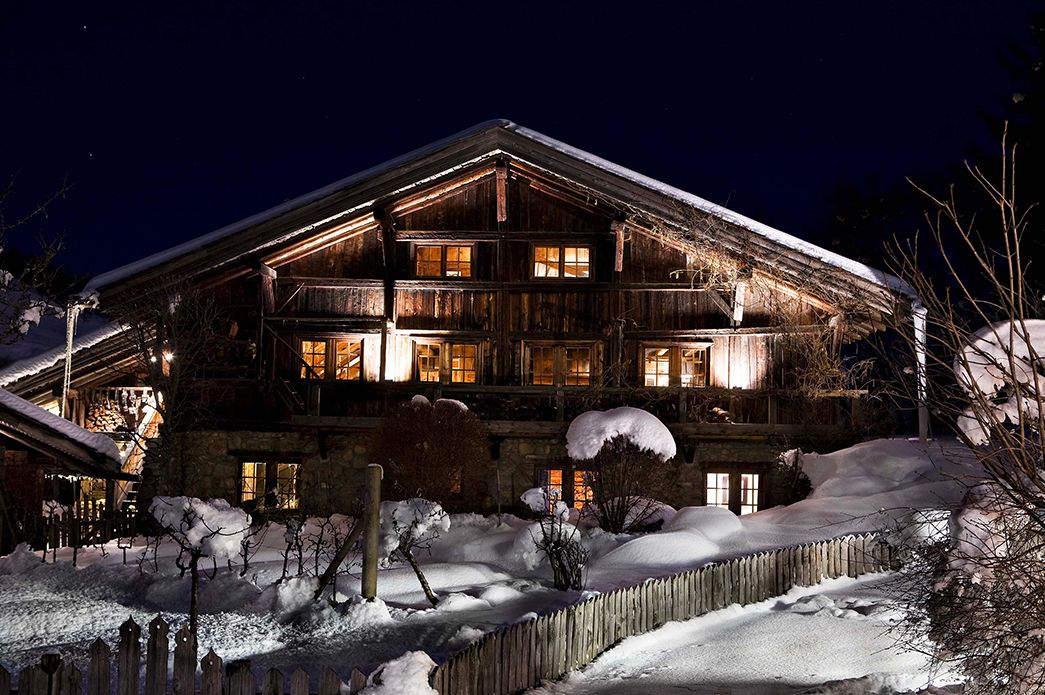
(330,368)
(559,362)
(567,493)
(285,501)
(736,474)
(675,362)
(446,370)
(443,245)
(562,246)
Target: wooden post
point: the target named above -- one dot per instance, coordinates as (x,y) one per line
(98,672)
(156,658)
(372,521)
(128,658)
(210,681)
(502,192)
(617,228)
(5,681)
(299,682)
(185,662)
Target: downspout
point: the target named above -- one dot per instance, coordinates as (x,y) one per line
(919,314)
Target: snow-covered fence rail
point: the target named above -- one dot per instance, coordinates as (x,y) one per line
(53,676)
(520,656)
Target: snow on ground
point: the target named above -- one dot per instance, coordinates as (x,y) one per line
(486,571)
(829,638)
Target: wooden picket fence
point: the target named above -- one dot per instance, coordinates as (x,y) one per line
(520,656)
(507,660)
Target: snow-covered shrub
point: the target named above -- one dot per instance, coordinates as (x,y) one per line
(405,675)
(438,451)
(409,526)
(554,538)
(202,529)
(625,451)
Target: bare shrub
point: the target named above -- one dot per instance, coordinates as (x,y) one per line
(438,451)
(626,482)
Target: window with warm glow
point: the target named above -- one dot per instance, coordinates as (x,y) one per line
(349,360)
(542,365)
(694,366)
(578,366)
(443,260)
(675,365)
(314,353)
(428,362)
(564,485)
(429,261)
(658,366)
(748,493)
(561,261)
(463,363)
(270,485)
(558,365)
(718,490)
(458,261)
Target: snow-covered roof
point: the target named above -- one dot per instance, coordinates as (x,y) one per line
(775,236)
(102,447)
(49,358)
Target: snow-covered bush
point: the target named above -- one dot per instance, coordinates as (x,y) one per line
(624,451)
(409,526)
(212,529)
(405,675)
(555,538)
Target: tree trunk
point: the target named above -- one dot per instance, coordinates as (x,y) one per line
(194,608)
(432,598)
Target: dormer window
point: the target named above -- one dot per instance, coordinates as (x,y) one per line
(561,261)
(443,261)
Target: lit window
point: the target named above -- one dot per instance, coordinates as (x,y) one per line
(694,366)
(458,261)
(462,366)
(718,490)
(542,365)
(569,487)
(673,365)
(557,365)
(658,366)
(561,261)
(274,486)
(578,366)
(349,364)
(429,261)
(456,363)
(443,261)
(314,352)
(748,493)
(576,262)
(427,362)
(582,493)
(546,261)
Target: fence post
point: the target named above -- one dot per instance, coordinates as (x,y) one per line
(98,672)
(184,662)
(5,681)
(210,680)
(299,682)
(128,658)
(156,657)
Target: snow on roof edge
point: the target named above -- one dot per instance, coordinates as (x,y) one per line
(861,270)
(866,272)
(99,443)
(33,365)
(122,272)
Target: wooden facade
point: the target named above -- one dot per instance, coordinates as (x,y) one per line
(523,283)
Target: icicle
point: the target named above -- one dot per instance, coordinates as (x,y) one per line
(71,314)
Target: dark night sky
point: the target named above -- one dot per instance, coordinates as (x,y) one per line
(170,123)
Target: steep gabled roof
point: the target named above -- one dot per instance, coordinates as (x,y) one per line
(357,195)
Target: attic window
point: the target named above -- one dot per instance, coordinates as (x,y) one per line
(443,260)
(560,261)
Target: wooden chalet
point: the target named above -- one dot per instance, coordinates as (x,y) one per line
(529,280)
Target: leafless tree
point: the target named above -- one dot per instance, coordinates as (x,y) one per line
(626,483)
(412,528)
(978,584)
(560,543)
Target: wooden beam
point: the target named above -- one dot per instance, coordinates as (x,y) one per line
(502,192)
(738,302)
(617,227)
